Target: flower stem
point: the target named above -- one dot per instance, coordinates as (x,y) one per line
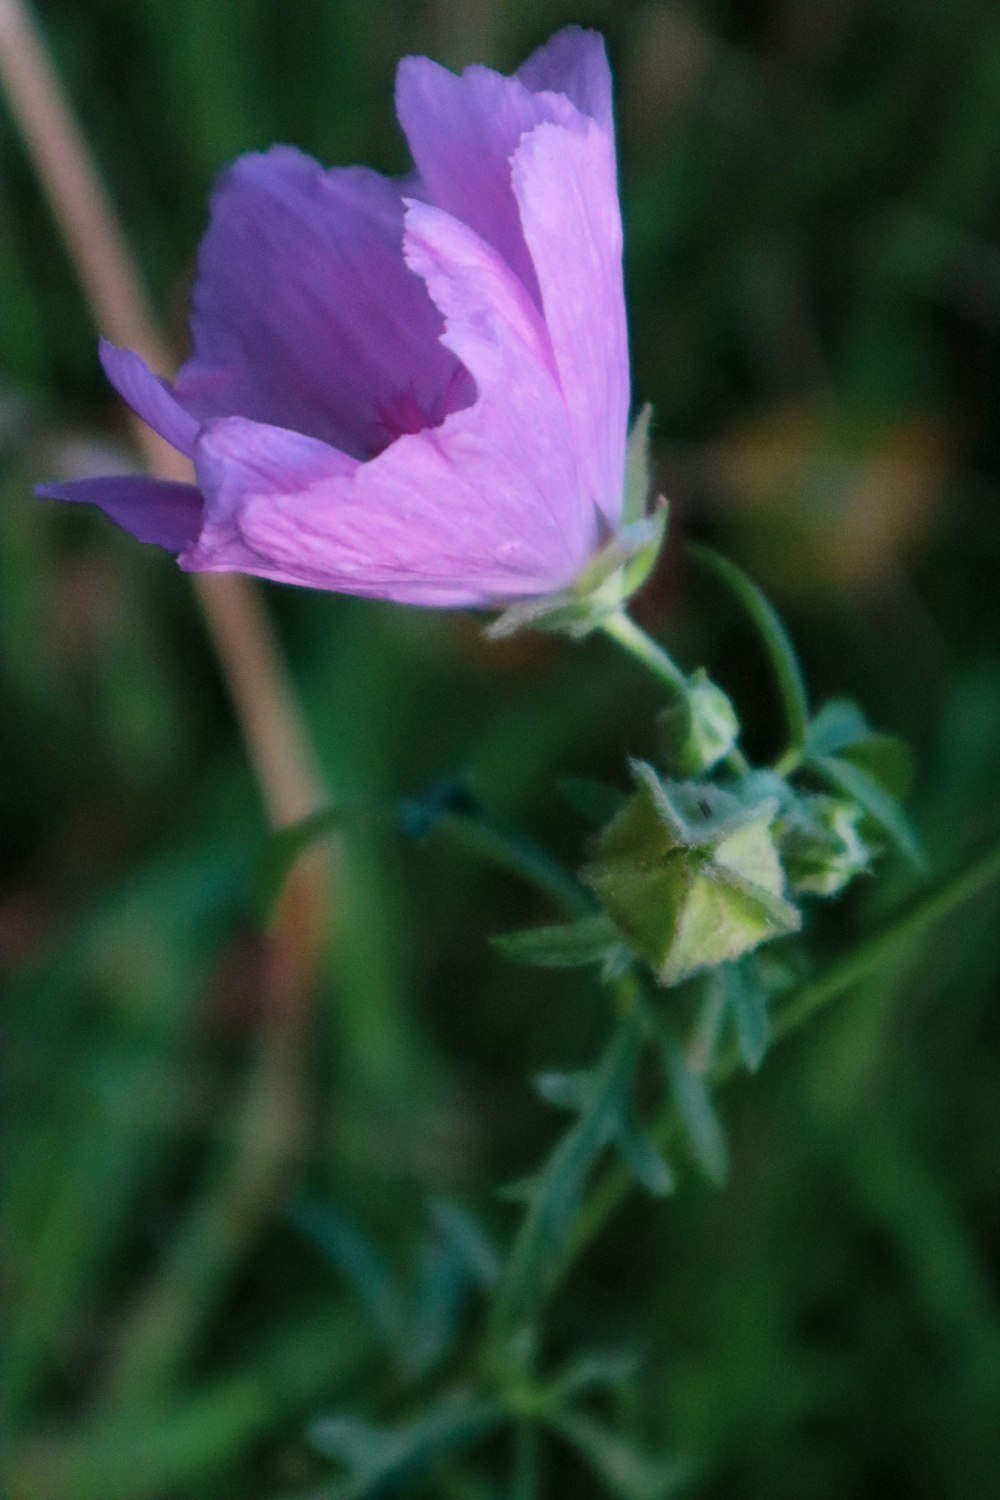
(623,629)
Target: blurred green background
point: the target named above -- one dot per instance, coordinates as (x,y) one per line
(811,194)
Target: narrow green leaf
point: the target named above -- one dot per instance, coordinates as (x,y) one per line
(351,1252)
(626,1471)
(563,946)
(349,1439)
(572,1091)
(591,1372)
(642,1158)
(888,760)
(841,729)
(746,999)
(283,848)
(697,1114)
(495,841)
(836,725)
(384,1458)
(548,1224)
(467,1237)
(774,636)
(438,1296)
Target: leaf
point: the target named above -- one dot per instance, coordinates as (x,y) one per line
(552,1210)
(562,946)
(836,725)
(506,847)
(467,1238)
(572,1091)
(696,1111)
(346,1246)
(383,1458)
(437,1303)
(841,729)
(283,848)
(642,1158)
(775,638)
(888,760)
(746,999)
(874,800)
(347,1438)
(626,1471)
(575,1091)
(591,1372)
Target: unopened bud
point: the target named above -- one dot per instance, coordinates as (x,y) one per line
(698,730)
(821,848)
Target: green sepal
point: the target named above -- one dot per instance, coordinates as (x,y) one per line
(616,570)
(611,577)
(638,468)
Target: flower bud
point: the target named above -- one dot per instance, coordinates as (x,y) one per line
(698,730)
(820,845)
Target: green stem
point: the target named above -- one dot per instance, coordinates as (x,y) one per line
(859,965)
(623,629)
(775,638)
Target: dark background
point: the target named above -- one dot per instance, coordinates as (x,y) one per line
(810,193)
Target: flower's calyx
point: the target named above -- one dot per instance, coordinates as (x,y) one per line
(615,571)
(821,847)
(699,730)
(690,876)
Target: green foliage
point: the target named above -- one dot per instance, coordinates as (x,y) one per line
(381,1459)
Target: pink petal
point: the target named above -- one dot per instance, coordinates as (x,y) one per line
(305,315)
(151,510)
(149,396)
(463,132)
(566,188)
(484,509)
(574,62)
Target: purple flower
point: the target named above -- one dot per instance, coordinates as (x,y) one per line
(415,391)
